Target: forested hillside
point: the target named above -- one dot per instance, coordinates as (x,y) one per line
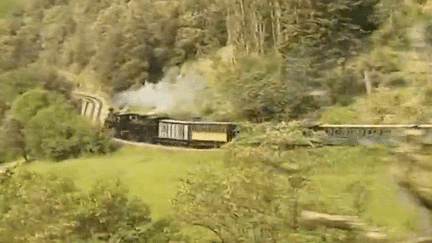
(266,62)
(120,44)
(307,46)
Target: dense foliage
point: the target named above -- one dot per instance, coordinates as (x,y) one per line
(125,45)
(269,178)
(43,125)
(260,90)
(238,205)
(281,52)
(404,106)
(42,208)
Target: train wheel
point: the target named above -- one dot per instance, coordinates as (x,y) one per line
(124,135)
(147,139)
(132,137)
(113,132)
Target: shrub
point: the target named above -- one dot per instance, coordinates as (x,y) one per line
(12,139)
(16,82)
(428,96)
(41,208)
(428,33)
(258,90)
(395,80)
(58,133)
(30,103)
(343,87)
(53,130)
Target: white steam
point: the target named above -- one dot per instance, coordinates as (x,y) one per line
(174,94)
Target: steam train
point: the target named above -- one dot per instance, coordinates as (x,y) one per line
(160,129)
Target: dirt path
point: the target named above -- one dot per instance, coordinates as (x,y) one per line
(406,198)
(4,166)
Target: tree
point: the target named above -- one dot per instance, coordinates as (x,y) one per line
(41,208)
(261,88)
(53,129)
(13,137)
(106,199)
(254,197)
(30,103)
(58,133)
(3,108)
(255,26)
(35,208)
(17,82)
(237,205)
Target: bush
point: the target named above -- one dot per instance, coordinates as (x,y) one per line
(428,33)
(258,90)
(40,208)
(340,115)
(343,87)
(53,130)
(404,106)
(395,80)
(58,133)
(393,30)
(107,210)
(12,140)
(30,103)
(16,82)
(428,96)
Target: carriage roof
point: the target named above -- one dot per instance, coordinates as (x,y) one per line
(196,122)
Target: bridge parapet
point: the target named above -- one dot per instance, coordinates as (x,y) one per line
(91,107)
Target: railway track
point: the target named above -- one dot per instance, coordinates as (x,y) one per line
(160,146)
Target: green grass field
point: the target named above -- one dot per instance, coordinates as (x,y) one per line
(382,206)
(8,5)
(149,173)
(152,174)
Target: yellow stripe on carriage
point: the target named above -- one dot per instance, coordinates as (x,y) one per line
(210,136)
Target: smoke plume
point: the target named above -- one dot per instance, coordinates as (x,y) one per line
(173,95)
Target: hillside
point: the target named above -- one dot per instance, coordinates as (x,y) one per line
(115,45)
(153,175)
(267,64)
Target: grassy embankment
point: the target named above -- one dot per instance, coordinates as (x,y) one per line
(152,174)
(8,5)
(149,173)
(353,179)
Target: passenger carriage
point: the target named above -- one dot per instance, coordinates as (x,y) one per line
(195,133)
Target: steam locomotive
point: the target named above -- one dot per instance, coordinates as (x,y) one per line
(161,129)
